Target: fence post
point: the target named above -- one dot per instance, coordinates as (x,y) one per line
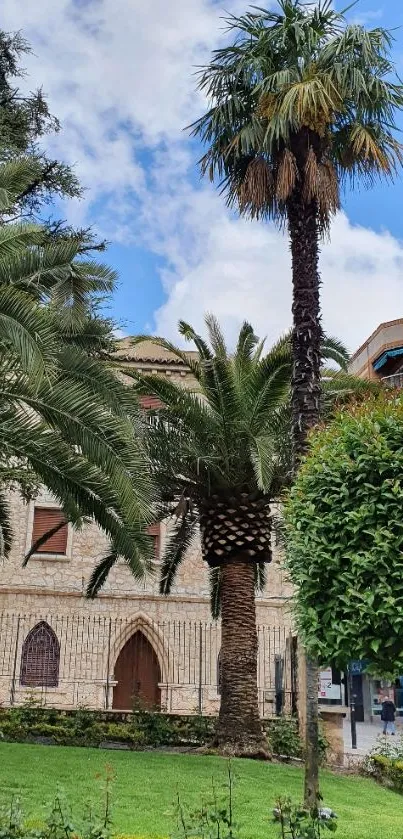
(294,675)
(353,724)
(108,665)
(278,683)
(13,677)
(200,706)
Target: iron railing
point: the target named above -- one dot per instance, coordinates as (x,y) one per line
(395,380)
(187,653)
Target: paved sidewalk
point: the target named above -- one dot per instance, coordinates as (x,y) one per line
(367,734)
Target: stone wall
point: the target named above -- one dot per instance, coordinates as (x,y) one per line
(52,588)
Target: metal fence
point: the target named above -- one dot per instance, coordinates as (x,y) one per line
(84,660)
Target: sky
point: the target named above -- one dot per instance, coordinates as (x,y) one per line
(119,74)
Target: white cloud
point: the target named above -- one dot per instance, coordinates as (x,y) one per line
(119,76)
(369,18)
(242,269)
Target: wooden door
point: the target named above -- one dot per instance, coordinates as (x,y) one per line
(138,674)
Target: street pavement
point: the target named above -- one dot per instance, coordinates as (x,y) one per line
(367,734)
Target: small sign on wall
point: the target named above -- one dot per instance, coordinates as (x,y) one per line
(326,688)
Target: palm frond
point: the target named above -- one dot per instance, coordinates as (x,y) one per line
(339,386)
(75,364)
(13,237)
(215,592)
(263,452)
(260,576)
(15,176)
(191,335)
(300,98)
(26,332)
(180,537)
(332,349)
(66,421)
(41,541)
(216,336)
(6,533)
(100,574)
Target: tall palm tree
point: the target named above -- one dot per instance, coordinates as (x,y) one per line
(301,101)
(65,419)
(219,455)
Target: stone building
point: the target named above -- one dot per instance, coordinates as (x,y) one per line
(381,355)
(130,643)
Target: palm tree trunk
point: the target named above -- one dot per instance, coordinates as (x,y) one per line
(307,334)
(239,729)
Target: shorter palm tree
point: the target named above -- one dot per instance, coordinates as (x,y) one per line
(220,455)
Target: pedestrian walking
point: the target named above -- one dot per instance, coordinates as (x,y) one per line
(388,715)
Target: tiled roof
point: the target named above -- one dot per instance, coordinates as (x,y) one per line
(148,352)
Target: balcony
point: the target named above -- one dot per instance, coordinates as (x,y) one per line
(396,380)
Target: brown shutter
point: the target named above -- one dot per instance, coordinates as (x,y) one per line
(150,403)
(154,530)
(46,519)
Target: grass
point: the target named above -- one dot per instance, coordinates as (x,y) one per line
(147,783)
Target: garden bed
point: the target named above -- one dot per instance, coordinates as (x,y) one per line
(137,730)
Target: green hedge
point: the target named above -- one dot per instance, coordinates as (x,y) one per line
(387,771)
(138,730)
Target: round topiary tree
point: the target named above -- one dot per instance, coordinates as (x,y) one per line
(344,530)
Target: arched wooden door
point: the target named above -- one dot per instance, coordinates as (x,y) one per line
(138,675)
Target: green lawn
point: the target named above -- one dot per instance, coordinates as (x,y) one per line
(147,783)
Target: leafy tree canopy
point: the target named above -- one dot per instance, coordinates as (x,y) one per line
(344,530)
(25,119)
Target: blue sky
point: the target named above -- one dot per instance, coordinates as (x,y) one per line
(118,74)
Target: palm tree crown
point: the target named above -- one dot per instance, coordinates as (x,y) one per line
(65,419)
(222,446)
(300,100)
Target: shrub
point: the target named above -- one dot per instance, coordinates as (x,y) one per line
(284,737)
(344,531)
(385,763)
(83,721)
(395,772)
(83,727)
(297,822)
(387,771)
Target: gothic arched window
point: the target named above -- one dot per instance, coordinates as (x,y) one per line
(40,657)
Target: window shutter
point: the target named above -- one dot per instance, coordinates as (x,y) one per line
(154,530)
(46,519)
(150,403)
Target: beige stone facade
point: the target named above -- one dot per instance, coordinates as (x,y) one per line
(387,336)
(89,636)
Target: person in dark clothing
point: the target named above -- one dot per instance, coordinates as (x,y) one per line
(388,714)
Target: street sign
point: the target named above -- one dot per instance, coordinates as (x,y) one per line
(357,667)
